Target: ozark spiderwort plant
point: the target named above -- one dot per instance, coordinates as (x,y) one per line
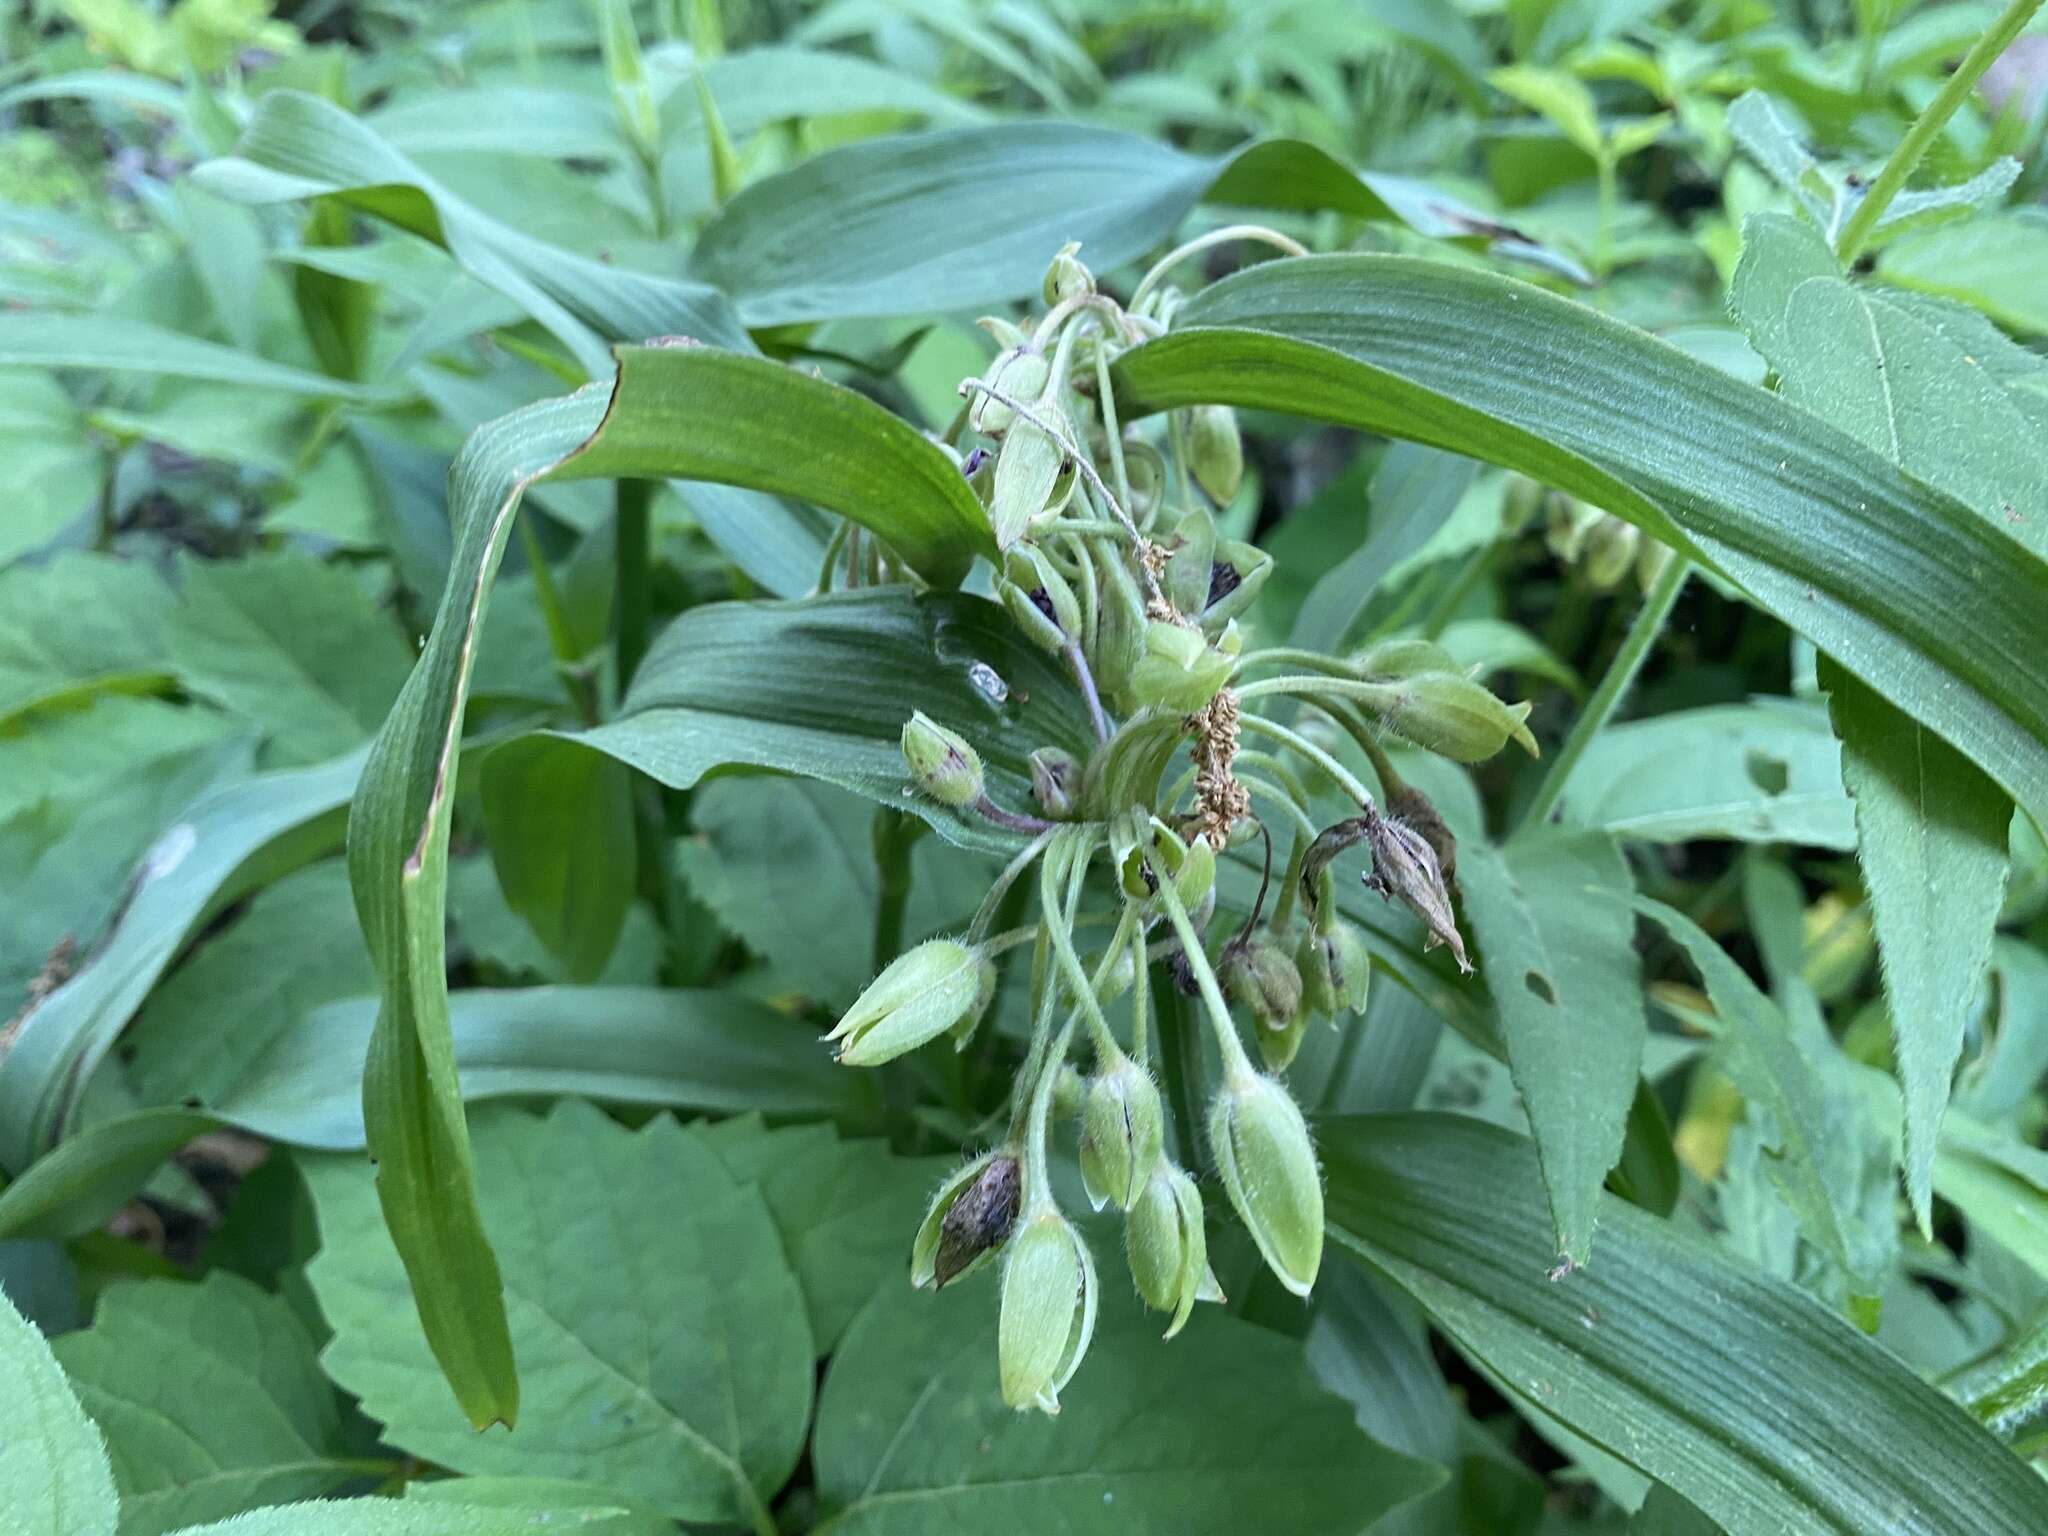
(1112,561)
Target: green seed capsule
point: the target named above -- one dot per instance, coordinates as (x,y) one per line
(1047,1313)
(1216,451)
(1450,714)
(1179,671)
(920,995)
(941,762)
(1167,1246)
(1268,1167)
(1121,1133)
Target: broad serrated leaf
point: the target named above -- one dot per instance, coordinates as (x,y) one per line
(78,626)
(1903,584)
(1762,1410)
(847,1210)
(1561,964)
(677,1371)
(211,1400)
(292,645)
(545,1502)
(54,1478)
(913,1437)
(1768,771)
(390,1517)
(1756,125)
(1991,262)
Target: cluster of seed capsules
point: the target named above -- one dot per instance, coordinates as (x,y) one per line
(1112,560)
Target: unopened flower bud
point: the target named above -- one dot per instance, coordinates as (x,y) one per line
(1336,969)
(967,1220)
(1268,1168)
(1047,1313)
(1520,501)
(923,992)
(1021,374)
(941,762)
(1216,451)
(1055,781)
(1395,659)
(1167,1246)
(1607,552)
(1121,1128)
(1260,975)
(1278,1047)
(1067,278)
(1190,569)
(1119,628)
(1455,716)
(1179,671)
(1027,473)
(1565,523)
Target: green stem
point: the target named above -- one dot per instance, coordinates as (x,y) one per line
(1890,181)
(990,903)
(1603,242)
(1635,648)
(635,594)
(1235,1063)
(1445,604)
(894,834)
(1177,1064)
(1346,780)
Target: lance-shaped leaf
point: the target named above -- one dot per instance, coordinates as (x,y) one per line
(297,146)
(1735,1389)
(965,217)
(1562,967)
(676,411)
(1907,587)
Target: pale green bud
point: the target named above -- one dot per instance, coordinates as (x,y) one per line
(1047,1315)
(1020,373)
(1195,880)
(1520,501)
(1066,278)
(1055,781)
(1027,474)
(1608,551)
(1279,1046)
(920,995)
(1565,523)
(1450,714)
(941,762)
(1191,567)
(1336,969)
(1119,628)
(1403,658)
(1167,1246)
(1268,1168)
(1179,671)
(1121,1130)
(1216,451)
(1260,975)
(967,1220)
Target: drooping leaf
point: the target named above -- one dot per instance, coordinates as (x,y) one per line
(961,218)
(677,1372)
(74,1189)
(1562,967)
(54,1478)
(107,343)
(1735,1389)
(297,146)
(1904,585)
(290,644)
(226,843)
(211,1400)
(560,824)
(913,1436)
(1768,771)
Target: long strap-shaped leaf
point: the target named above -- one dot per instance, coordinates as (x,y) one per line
(1905,586)
(688,412)
(1737,1390)
(298,146)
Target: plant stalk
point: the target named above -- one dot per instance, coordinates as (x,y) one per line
(1635,649)
(634,597)
(1891,180)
